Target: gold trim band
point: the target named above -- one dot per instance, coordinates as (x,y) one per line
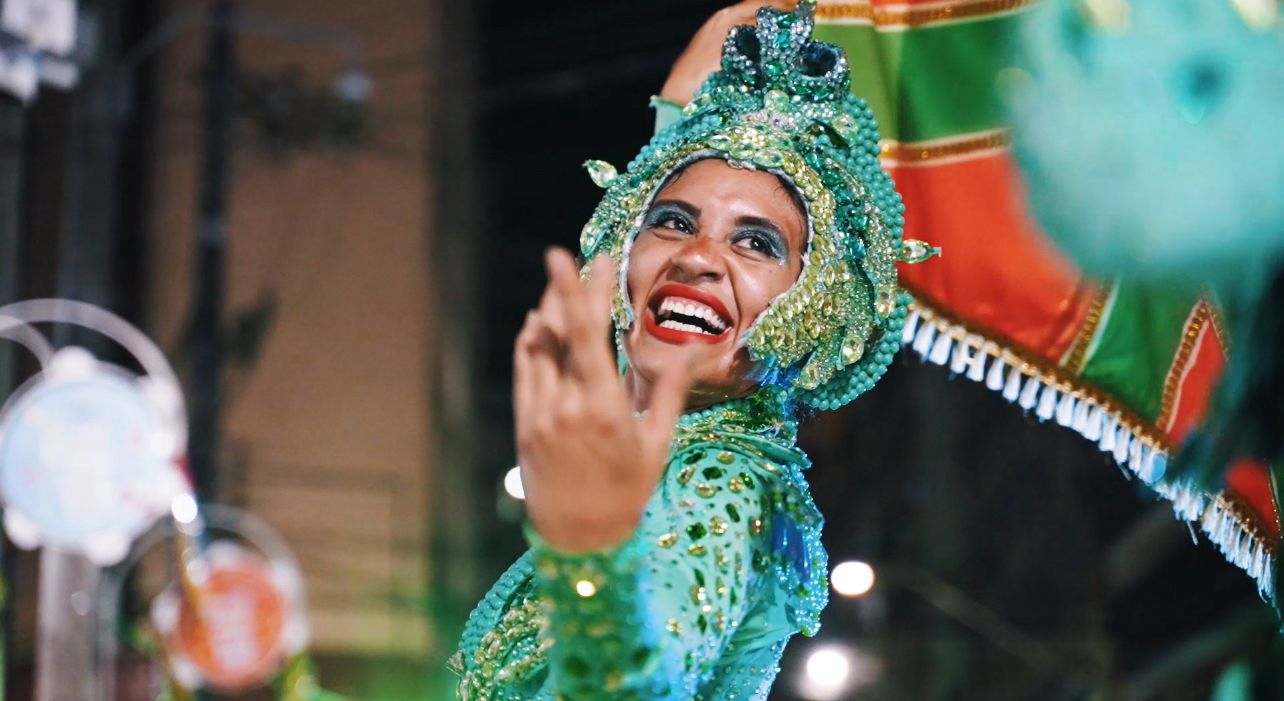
(916,15)
(920,152)
(1194,326)
(1074,360)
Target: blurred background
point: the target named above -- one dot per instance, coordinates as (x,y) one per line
(359,193)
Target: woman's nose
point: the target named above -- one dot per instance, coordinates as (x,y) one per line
(701,258)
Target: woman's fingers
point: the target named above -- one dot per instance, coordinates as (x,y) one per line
(552,309)
(544,364)
(564,285)
(522,377)
(586,312)
(747,12)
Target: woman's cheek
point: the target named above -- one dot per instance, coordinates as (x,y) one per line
(640,273)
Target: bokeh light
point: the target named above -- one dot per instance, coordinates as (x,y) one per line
(828,667)
(184,508)
(513,483)
(837,671)
(852,578)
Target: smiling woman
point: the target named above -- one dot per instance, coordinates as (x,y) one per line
(717,245)
(747,263)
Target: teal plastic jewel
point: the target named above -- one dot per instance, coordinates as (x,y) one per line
(915,251)
(601,172)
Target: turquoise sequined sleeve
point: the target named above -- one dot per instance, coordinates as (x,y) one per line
(654,617)
(699,603)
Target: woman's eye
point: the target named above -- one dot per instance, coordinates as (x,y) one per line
(670,220)
(761,243)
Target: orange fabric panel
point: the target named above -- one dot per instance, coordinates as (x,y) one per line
(1249,481)
(1203,370)
(996,268)
(903,3)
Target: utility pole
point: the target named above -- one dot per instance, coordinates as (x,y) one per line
(211,244)
(12,120)
(455,502)
(11,152)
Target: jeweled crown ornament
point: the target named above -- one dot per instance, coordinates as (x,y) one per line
(782,103)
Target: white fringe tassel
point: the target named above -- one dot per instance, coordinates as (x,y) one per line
(972,356)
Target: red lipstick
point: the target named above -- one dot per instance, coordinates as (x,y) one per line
(678,336)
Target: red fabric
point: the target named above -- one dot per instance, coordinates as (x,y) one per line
(975,211)
(1203,369)
(1250,482)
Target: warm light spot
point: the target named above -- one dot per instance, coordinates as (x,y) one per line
(184,508)
(585,588)
(852,578)
(835,671)
(827,668)
(513,483)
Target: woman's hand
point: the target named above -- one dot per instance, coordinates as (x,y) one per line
(704,54)
(588,465)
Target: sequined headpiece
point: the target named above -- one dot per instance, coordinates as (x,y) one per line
(782,103)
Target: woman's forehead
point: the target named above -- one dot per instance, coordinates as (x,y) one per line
(715,182)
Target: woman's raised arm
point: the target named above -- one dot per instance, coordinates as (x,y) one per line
(704,54)
(651,618)
(588,465)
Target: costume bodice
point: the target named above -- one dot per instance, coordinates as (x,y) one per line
(724,568)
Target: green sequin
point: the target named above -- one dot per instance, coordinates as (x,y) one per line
(697,594)
(540,601)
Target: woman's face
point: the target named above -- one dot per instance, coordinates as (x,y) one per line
(716,246)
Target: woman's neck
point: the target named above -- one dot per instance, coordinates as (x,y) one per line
(640,389)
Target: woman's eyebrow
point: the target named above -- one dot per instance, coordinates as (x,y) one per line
(686,207)
(763,223)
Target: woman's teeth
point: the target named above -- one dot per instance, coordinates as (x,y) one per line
(679,326)
(699,318)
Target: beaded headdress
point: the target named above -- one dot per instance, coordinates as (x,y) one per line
(782,103)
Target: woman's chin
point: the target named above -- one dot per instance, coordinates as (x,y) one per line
(716,377)
(656,352)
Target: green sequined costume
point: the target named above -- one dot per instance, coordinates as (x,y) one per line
(726,564)
(725,567)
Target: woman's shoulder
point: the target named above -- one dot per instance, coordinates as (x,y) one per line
(765,465)
(753,472)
